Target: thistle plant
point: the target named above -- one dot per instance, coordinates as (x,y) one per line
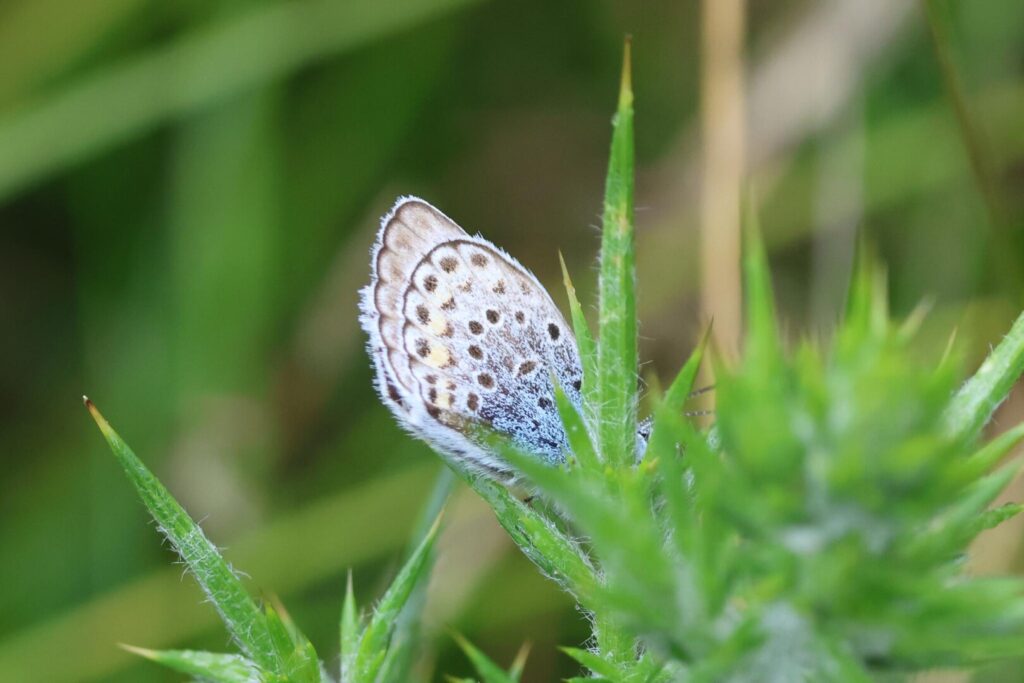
(816,532)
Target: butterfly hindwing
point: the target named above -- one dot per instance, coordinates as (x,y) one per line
(460,334)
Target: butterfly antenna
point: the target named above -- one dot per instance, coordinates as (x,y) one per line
(702,390)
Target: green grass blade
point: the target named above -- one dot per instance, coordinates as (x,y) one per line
(978,398)
(208,666)
(519,663)
(243,618)
(617,350)
(488,670)
(374,640)
(213,63)
(584,338)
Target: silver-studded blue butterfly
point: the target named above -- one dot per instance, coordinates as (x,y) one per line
(461,335)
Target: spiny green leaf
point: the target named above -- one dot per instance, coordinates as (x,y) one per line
(559,557)
(866,302)
(350,631)
(675,399)
(210,666)
(679,391)
(576,430)
(278,633)
(405,640)
(594,662)
(681,516)
(695,530)
(617,350)
(300,663)
(985,490)
(239,612)
(989,519)
(488,670)
(978,398)
(992,452)
(628,541)
(373,642)
(584,339)
(585,495)
(615,640)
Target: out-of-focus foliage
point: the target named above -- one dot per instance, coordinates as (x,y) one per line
(188,193)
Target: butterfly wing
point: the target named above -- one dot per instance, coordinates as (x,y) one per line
(461,333)
(407,233)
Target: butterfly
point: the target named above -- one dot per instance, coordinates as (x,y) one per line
(461,335)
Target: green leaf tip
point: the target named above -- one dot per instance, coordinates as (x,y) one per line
(584,338)
(626,84)
(867,309)
(519,663)
(594,662)
(140,651)
(371,650)
(350,631)
(978,398)
(206,666)
(489,671)
(243,619)
(108,432)
(682,385)
(617,351)
(570,288)
(761,332)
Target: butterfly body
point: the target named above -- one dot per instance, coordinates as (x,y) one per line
(461,335)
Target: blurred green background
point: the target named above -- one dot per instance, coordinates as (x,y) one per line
(188,193)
